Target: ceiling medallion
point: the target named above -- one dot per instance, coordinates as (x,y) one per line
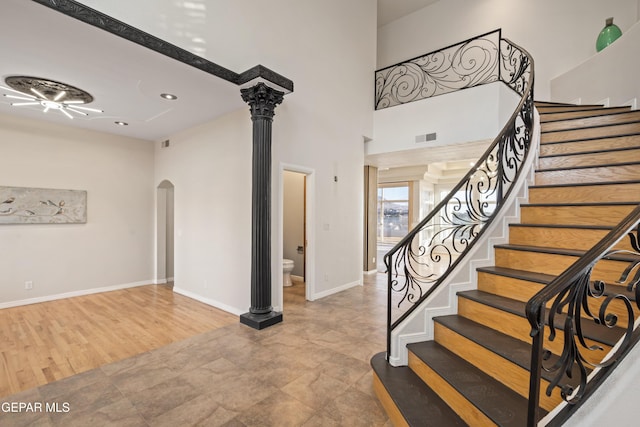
(49,94)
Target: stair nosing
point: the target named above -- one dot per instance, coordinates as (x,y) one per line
(567,104)
(543,113)
(578,204)
(561,251)
(611,150)
(585,184)
(589,139)
(589,117)
(606,165)
(542,132)
(570,226)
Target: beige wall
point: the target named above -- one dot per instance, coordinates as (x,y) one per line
(114,248)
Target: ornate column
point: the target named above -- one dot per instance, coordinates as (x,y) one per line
(262,101)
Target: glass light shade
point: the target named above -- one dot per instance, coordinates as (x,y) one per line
(608,35)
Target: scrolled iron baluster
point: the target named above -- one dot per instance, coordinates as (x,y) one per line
(575,299)
(464,65)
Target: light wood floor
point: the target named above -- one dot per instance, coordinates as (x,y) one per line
(42,343)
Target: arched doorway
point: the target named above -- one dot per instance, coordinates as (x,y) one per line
(164,233)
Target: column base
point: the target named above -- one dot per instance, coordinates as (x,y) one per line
(261,321)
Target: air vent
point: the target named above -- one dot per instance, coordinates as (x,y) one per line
(165,143)
(426,137)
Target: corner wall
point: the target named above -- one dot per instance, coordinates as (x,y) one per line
(113,249)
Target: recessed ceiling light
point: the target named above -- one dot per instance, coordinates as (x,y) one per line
(169,96)
(122,123)
(48,94)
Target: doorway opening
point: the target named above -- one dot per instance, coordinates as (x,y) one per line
(297,240)
(165,234)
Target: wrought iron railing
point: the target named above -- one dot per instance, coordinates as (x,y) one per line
(430,252)
(577,296)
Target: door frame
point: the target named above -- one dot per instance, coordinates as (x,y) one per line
(309,210)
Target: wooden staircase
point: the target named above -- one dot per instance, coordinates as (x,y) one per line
(476,370)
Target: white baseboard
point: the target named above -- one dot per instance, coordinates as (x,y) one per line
(47,298)
(370,272)
(336,290)
(297,278)
(208,301)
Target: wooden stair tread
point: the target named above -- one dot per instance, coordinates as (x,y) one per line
(604,150)
(590,330)
(585,227)
(576,204)
(418,404)
(632,135)
(498,402)
(512,349)
(531,276)
(575,123)
(607,125)
(584,184)
(549,116)
(561,251)
(588,166)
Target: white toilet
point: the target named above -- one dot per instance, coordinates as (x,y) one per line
(287,267)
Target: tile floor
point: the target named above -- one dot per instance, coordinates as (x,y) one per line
(311,370)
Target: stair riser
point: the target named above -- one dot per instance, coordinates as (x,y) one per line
(589,133)
(586,194)
(592,159)
(591,121)
(589,175)
(562,238)
(607,270)
(508,373)
(523,290)
(567,108)
(518,327)
(551,117)
(387,403)
(508,287)
(608,215)
(465,409)
(590,145)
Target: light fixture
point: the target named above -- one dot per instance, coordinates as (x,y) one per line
(122,123)
(48,94)
(169,96)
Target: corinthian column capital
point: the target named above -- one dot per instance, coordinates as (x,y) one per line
(262,100)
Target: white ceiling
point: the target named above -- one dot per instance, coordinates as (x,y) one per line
(125,79)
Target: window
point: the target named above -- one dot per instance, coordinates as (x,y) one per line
(393,211)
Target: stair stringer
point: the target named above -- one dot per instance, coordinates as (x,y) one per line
(419,326)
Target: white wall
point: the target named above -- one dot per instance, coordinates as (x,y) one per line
(114,248)
(467,115)
(293,220)
(328,50)
(611,73)
(559,34)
